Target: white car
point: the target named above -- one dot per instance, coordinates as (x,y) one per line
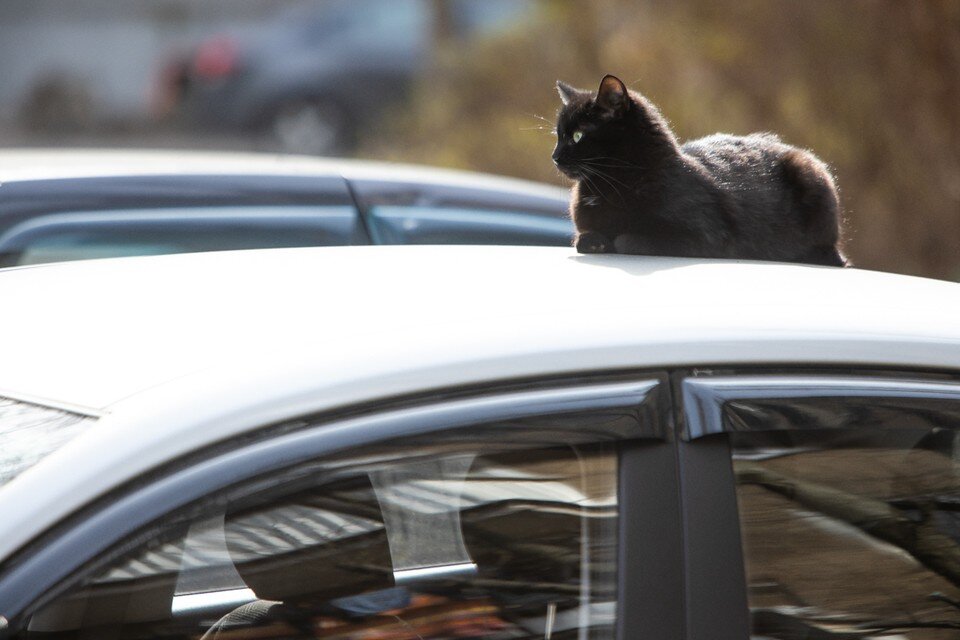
(476,442)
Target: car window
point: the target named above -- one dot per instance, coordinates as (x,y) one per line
(84,235)
(451,540)
(397,224)
(849,515)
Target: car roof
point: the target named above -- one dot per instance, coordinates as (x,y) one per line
(110,329)
(21,165)
(178,352)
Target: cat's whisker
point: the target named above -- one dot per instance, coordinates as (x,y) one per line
(610,166)
(612,183)
(588,171)
(615,162)
(543,129)
(610,179)
(586,178)
(549,125)
(592,163)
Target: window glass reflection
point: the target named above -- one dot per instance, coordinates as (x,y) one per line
(446,225)
(855,533)
(85,235)
(448,544)
(30,432)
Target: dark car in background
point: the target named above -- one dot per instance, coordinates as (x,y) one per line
(319,71)
(69,205)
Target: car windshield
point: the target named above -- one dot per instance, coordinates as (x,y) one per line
(30,432)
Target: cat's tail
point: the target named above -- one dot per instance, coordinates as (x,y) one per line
(815,193)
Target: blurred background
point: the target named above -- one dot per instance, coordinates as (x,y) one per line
(871,86)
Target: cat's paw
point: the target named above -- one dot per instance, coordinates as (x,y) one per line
(593,242)
(631,244)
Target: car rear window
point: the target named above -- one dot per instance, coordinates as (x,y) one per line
(30,432)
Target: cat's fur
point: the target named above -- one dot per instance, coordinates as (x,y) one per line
(639,191)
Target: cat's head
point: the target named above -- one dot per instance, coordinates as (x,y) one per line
(588,124)
(609,124)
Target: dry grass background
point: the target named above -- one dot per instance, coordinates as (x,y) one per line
(872,86)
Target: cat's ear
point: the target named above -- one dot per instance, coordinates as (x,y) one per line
(612,95)
(567,93)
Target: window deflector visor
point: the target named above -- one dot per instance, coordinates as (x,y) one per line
(782,402)
(420,502)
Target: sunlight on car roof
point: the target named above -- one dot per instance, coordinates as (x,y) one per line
(30,432)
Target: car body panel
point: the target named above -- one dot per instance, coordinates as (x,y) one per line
(18,165)
(180,352)
(492,299)
(29,165)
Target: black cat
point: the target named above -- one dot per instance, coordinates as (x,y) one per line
(638,191)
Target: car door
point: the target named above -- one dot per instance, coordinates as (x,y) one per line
(845,488)
(544,510)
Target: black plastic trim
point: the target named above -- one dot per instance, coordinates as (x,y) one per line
(713,404)
(650,580)
(715,587)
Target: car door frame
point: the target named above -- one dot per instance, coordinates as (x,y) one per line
(650,596)
(708,402)
(680,561)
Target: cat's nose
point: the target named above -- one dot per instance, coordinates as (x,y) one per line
(556,156)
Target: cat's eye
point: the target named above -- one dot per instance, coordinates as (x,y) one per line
(577,135)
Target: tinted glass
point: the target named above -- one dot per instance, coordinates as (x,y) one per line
(432,542)
(851,533)
(85,235)
(461,225)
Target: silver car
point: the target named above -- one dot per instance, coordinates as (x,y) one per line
(68,205)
